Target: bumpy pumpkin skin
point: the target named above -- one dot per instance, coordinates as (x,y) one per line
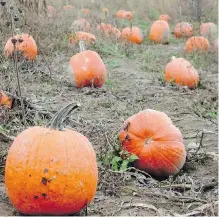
(50,172)
(183,29)
(133,35)
(160,31)
(165,17)
(208,30)
(152,137)
(197,43)
(182,73)
(86,69)
(28,47)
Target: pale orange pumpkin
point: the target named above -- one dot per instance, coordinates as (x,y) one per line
(25,44)
(87,69)
(78,36)
(109,30)
(181,72)
(133,35)
(5,100)
(51,170)
(165,17)
(158,144)
(51,10)
(120,13)
(183,29)
(81,25)
(197,43)
(208,30)
(127,15)
(86,11)
(160,32)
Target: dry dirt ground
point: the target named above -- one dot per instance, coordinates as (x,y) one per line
(134,83)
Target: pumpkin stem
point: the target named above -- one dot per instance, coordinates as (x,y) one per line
(82,46)
(60,116)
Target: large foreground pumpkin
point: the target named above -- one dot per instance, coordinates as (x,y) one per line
(50,170)
(197,43)
(181,72)
(208,30)
(183,29)
(25,44)
(133,35)
(87,68)
(158,144)
(159,32)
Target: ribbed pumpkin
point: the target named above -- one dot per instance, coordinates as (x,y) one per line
(81,25)
(5,100)
(164,17)
(158,144)
(51,170)
(87,68)
(183,29)
(159,32)
(78,36)
(197,43)
(109,30)
(120,13)
(181,72)
(25,45)
(208,30)
(133,35)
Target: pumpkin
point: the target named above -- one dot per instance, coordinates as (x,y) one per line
(5,100)
(208,30)
(81,25)
(127,15)
(158,144)
(78,36)
(183,29)
(86,11)
(51,10)
(109,30)
(87,68)
(133,35)
(68,7)
(164,17)
(182,73)
(25,44)
(106,10)
(159,32)
(51,170)
(197,43)
(120,13)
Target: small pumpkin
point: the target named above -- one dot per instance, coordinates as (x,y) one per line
(51,170)
(183,29)
(165,17)
(25,44)
(106,10)
(87,68)
(127,15)
(51,10)
(120,13)
(86,11)
(182,73)
(84,36)
(133,35)
(208,30)
(81,25)
(109,30)
(68,7)
(160,32)
(197,43)
(158,144)
(5,100)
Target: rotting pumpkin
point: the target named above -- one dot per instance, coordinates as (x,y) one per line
(51,170)
(158,144)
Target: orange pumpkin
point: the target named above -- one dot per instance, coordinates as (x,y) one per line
(87,37)
(51,10)
(68,7)
(159,32)
(81,25)
(87,69)
(197,43)
(120,13)
(86,11)
(133,35)
(182,73)
(183,29)
(51,170)
(109,30)
(127,15)
(5,100)
(25,44)
(165,17)
(158,144)
(208,30)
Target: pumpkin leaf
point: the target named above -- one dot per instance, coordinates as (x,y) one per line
(124,165)
(132,158)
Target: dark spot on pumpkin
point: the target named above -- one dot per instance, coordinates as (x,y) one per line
(29,175)
(57,173)
(44,180)
(46,171)
(127,137)
(35,197)
(44,195)
(126,128)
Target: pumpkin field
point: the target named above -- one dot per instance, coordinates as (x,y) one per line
(109,107)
